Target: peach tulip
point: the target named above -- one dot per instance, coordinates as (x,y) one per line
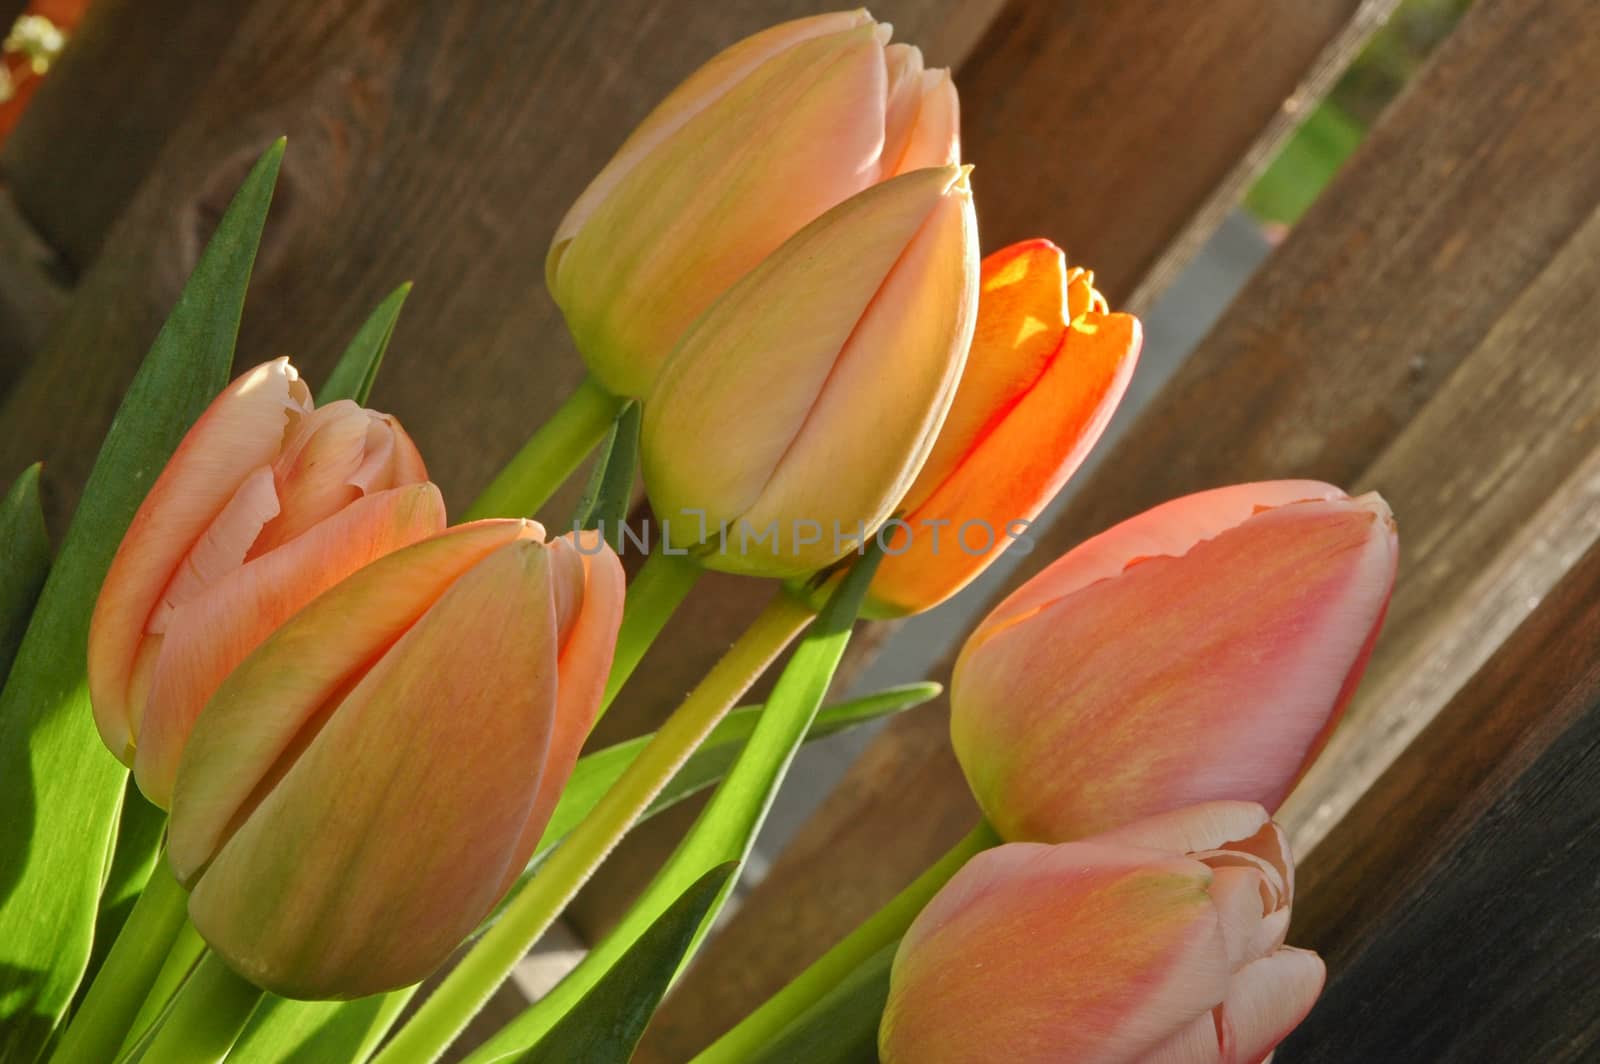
(797,412)
(1160,943)
(364,788)
(266,503)
(1201,650)
(1048,365)
(755,145)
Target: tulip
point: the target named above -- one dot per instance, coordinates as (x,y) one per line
(1201,650)
(754,146)
(1161,942)
(364,788)
(266,503)
(797,412)
(1048,365)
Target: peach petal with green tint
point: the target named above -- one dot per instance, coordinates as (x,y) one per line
(366,863)
(236,748)
(215,632)
(239,432)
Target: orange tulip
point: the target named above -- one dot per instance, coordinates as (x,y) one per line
(797,412)
(364,788)
(751,148)
(1160,943)
(266,503)
(1048,365)
(1201,650)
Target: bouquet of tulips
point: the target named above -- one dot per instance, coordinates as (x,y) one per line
(280,741)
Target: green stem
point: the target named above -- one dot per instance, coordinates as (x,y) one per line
(532,910)
(654,594)
(882,929)
(135,960)
(181,960)
(842,1028)
(550,456)
(206,1018)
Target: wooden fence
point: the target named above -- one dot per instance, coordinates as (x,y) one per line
(1430,329)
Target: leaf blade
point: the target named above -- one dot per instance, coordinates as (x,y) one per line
(357,369)
(24,561)
(57,782)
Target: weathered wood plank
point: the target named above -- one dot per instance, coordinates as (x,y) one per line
(1457,900)
(32,291)
(1064,109)
(428,140)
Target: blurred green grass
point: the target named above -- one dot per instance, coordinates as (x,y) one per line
(1333,129)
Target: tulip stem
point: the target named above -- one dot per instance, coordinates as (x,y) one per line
(550,456)
(880,931)
(133,964)
(206,1018)
(654,594)
(532,910)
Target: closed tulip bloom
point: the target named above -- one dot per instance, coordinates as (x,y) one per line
(1048,365)
(365,787)
(751,148)
(1161,943)
(802,405)
(1201,650)
(266,503)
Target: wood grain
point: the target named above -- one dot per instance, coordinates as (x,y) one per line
(1065,107)
(438,141)
(1470,935)
(32,290)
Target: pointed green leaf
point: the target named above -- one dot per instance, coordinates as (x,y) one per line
(134,855)
(305,1032)
(357,369)
(60,789)
(609,493)
(24,562)
(607,1022)
(727,828)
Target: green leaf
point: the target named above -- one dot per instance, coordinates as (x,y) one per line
(607,1022)
(842,1027)
(60,789)
(306,1032)
(24,561)
(727,828)
(136,849)
(609,493)
(357,369)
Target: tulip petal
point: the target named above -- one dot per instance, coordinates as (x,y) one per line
(1266,1000)
(235,748)
(1193,829)
(586,649)
(213,633)
(1194,1044)
(1183,679)
(935,138)
(806,128)
(1169,530)
(1042,954)
(700,90)
(239,432)
(915,332)
(725,432)
(364,866)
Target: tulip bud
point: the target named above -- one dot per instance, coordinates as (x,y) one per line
(363,789)
(1048,365)
(1159,942)
(752,147)
(796,412)
(266,503)
(1201,650)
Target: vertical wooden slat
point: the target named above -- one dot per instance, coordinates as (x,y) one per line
(436,141)
(32,292)
(1457,900)
(1106,127)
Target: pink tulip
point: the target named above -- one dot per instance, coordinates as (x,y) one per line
(364,788)
(751,148)
(266,503)
(796,413)
(1159,943)
(1201,650)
